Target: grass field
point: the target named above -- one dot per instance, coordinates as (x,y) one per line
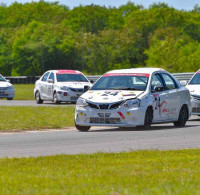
(24,91)
(140,172)
(27,118)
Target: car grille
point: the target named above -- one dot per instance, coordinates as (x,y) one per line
(101,120)
(194,110)
(76,90)
(3,88)
(105,106)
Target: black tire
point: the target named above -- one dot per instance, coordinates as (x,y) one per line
(38,98)
(183,117)
(55,99)
(148,117)
(82,128)
(9,98)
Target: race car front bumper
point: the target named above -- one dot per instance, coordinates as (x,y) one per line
(195,102)
(7,93)
(121,117)
(68,96)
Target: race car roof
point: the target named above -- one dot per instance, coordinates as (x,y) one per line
(136,70)
(66,71)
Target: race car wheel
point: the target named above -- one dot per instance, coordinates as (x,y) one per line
(55,98)
(183,117)
(38,98)
(82,128)
(9,98)
(148,117)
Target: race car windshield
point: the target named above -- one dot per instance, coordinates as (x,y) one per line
(195,80)
(71,78)
(2,79)
(133,83)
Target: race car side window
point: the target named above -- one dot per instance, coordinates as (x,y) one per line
(156,82)
(44,78)
(51,76)
(169,82)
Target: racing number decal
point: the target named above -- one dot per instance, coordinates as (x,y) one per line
(160,105)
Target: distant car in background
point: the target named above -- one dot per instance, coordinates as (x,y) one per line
(194,87)
(60,86)
(6,89)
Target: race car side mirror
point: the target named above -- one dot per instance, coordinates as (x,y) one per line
(50,80)
(183,83)
(91,81)
(86,88)
(158,89)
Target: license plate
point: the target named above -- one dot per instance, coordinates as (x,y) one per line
(3,95)
(74,98)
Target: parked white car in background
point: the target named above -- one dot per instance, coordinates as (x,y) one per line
(60,86)
(194,87)
(133,97)
(6,89)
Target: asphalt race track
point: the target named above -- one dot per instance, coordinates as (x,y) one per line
(29,103)
(103,139)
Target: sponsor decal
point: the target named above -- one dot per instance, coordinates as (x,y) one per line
(126,74)
(163,106)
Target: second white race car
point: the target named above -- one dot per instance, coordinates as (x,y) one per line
(60,86)
(133,97)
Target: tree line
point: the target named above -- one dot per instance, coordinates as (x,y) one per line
(38,36)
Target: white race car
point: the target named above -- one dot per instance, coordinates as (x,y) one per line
(133,97)
(194,87)
(6,89)
(60,86)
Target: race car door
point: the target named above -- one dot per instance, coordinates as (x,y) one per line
(42,85)
(173,96)
(49,87)
(159,99)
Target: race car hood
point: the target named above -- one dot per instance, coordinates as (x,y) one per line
(77,85)
(110,96)
(194,89)
(5,84)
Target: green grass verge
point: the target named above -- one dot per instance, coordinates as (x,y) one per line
(24,91)
(18,118)
(140,172)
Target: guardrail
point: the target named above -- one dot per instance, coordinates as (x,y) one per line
(32,79)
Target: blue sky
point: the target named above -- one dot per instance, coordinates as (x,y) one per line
(179,4)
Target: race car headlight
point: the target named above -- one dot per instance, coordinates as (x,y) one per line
(81,102)
(134,103)
(10,87)
(64,88)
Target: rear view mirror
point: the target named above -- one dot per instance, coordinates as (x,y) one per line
(86,88)
(183,83)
